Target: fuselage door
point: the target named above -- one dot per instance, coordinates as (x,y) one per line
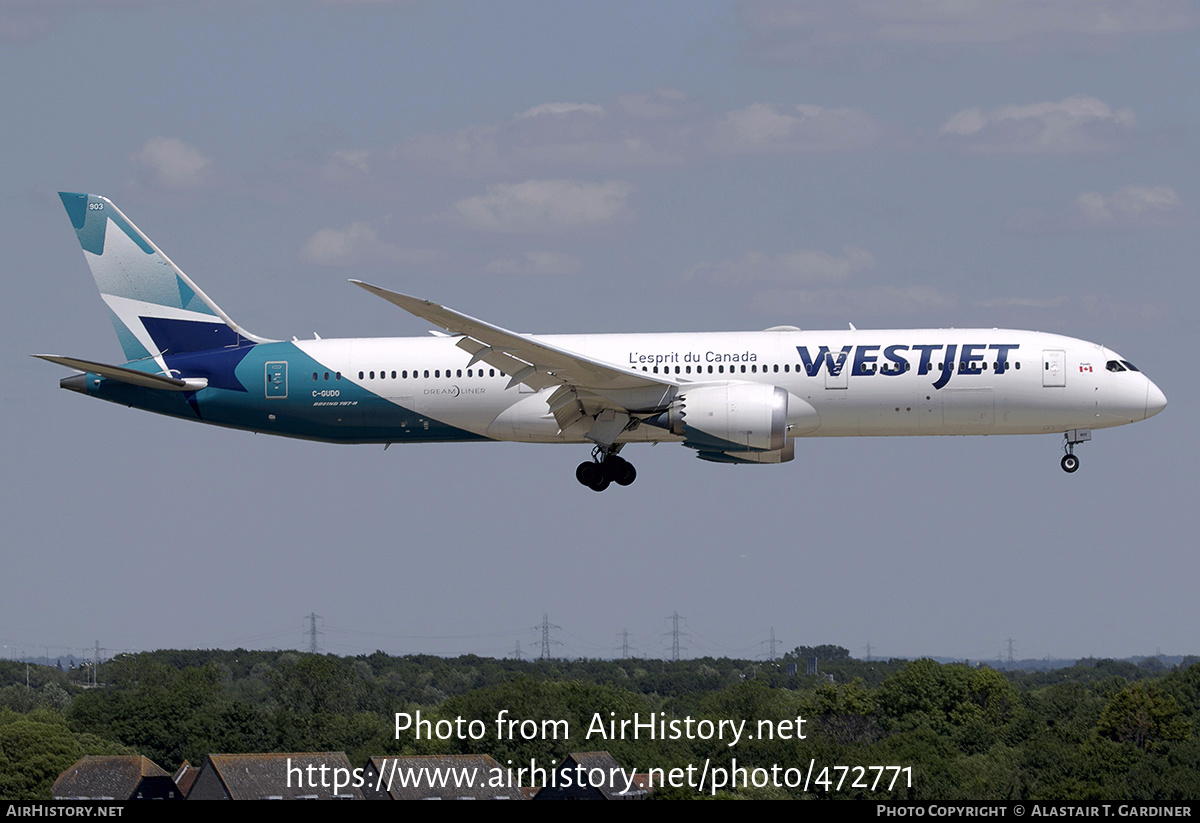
(1054,367)
(837,370)
(276,378)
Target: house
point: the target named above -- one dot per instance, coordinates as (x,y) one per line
(448,777)
(185,777)
(116,777)
(296,776)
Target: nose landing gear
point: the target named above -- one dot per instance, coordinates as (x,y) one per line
(1070,463)
(605,468)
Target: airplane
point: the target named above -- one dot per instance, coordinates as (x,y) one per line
(733,397)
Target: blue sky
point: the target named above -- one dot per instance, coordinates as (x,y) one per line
(595,167)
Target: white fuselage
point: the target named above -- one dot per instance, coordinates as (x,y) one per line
(858,382)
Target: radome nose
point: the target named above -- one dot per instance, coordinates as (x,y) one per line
(1156,401)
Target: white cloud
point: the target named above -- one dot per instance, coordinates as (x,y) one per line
(357,244)
(173,164)
(658,103)
(782,30)
(346,165)
(1123,310)
(536,262)
(1079,123)
(800,266)
(1126,208)
(560,109)
(938,21)
(544,205)
(1132,205)
(659,128)
(353,159)
(766,127)
(574,134)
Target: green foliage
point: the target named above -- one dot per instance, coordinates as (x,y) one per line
(1144,716)
(822,653)
(35,748)
(1101,729)
(924,693)
(537,706)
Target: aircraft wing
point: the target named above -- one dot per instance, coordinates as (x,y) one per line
(596,385)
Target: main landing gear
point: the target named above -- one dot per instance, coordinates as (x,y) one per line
(604,468)
(1070,463)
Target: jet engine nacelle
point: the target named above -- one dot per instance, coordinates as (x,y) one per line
(784,455)
(731,416)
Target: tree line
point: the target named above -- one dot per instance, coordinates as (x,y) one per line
(1099,730)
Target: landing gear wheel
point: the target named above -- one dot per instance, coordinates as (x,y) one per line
(593,475)
(605,468)
(619,470)
(1070,463)
(587,472)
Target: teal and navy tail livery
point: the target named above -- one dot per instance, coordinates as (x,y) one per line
(739,397)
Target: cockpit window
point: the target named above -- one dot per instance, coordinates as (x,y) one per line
(1129,365)
(1113,365)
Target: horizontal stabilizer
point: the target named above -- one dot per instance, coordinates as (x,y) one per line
(130,376)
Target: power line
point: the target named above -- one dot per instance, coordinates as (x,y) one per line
(312,632)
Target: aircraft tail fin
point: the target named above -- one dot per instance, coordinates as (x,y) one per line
(155,308)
